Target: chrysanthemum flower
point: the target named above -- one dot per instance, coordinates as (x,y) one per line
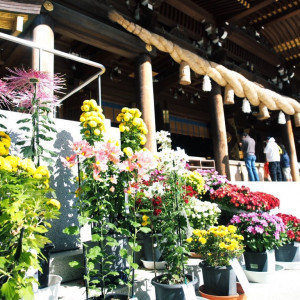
(21,85)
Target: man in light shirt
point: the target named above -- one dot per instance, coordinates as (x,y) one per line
(273,158)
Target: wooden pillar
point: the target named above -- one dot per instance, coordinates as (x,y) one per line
(44,36)
(219,131)
(291,146)
(146,98)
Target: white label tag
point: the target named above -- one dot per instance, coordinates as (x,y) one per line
(239,272)
(271,260)
(296,244)
(189,292)
(86,233)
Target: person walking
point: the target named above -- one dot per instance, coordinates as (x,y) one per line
(248,148)
(273,158)
(285,164)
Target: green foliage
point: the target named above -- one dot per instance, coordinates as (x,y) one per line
(39,125)
(24,211)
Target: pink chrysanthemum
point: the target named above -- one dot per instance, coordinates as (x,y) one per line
(21,84)
(4,93)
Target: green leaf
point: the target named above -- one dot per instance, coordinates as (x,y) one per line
(8,290)
(25,128)
(145,229)
(20,143)
(112,273)
(123,252)
(45,138)
(134,265)
(71,230)
(74,264)
(26,293)
(27,151)
(135,224)
(23,121)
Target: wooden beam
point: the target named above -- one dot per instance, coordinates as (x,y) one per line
(93,32)
(255,48)
(23,6)
(274,21)
(18,26)
(193,10)
(250,11)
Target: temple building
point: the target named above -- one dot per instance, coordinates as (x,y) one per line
(204,70)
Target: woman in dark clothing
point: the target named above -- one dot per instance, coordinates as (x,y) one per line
(285,164)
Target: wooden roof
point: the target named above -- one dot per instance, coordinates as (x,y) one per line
(263,36)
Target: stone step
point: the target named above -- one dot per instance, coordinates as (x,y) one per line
(59,264)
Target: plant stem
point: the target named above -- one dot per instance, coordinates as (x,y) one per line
(83,245)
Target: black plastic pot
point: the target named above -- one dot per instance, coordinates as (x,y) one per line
(258,262)
(111,297)
(44,263)
(148,251)
(170,291)
(288,253)
(219,281)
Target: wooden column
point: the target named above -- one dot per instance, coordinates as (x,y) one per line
(291,146)
(219,131)
(43,35)
(146,98)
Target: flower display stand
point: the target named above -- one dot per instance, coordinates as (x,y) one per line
(264,277)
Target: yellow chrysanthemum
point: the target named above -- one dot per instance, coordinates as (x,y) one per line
(54,202)
(189,240)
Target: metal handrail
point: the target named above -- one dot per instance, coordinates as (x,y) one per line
(61,54)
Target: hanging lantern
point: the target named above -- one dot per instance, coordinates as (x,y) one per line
(281,118)
(184,73)
(246,108)
(228,95)
(206,86)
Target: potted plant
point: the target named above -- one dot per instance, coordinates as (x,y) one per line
(262,233)
(212,181)
(174,194)
(290,250)
(217,246)
(26,208)
(97,163)
(233,199)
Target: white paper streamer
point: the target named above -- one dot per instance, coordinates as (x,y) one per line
(281,118)
(246,108)
(206,85)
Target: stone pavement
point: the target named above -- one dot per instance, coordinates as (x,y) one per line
(284,286)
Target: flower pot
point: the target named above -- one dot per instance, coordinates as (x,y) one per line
(220,281)
(239,296)
(151,254)
(170,291)
(51,291)
(195,255)
(288,253)
(111,297)
(260,261)
(43,276)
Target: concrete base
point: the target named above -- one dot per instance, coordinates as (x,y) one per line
(59,264)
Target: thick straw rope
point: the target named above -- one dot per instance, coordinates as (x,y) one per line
(242,87)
